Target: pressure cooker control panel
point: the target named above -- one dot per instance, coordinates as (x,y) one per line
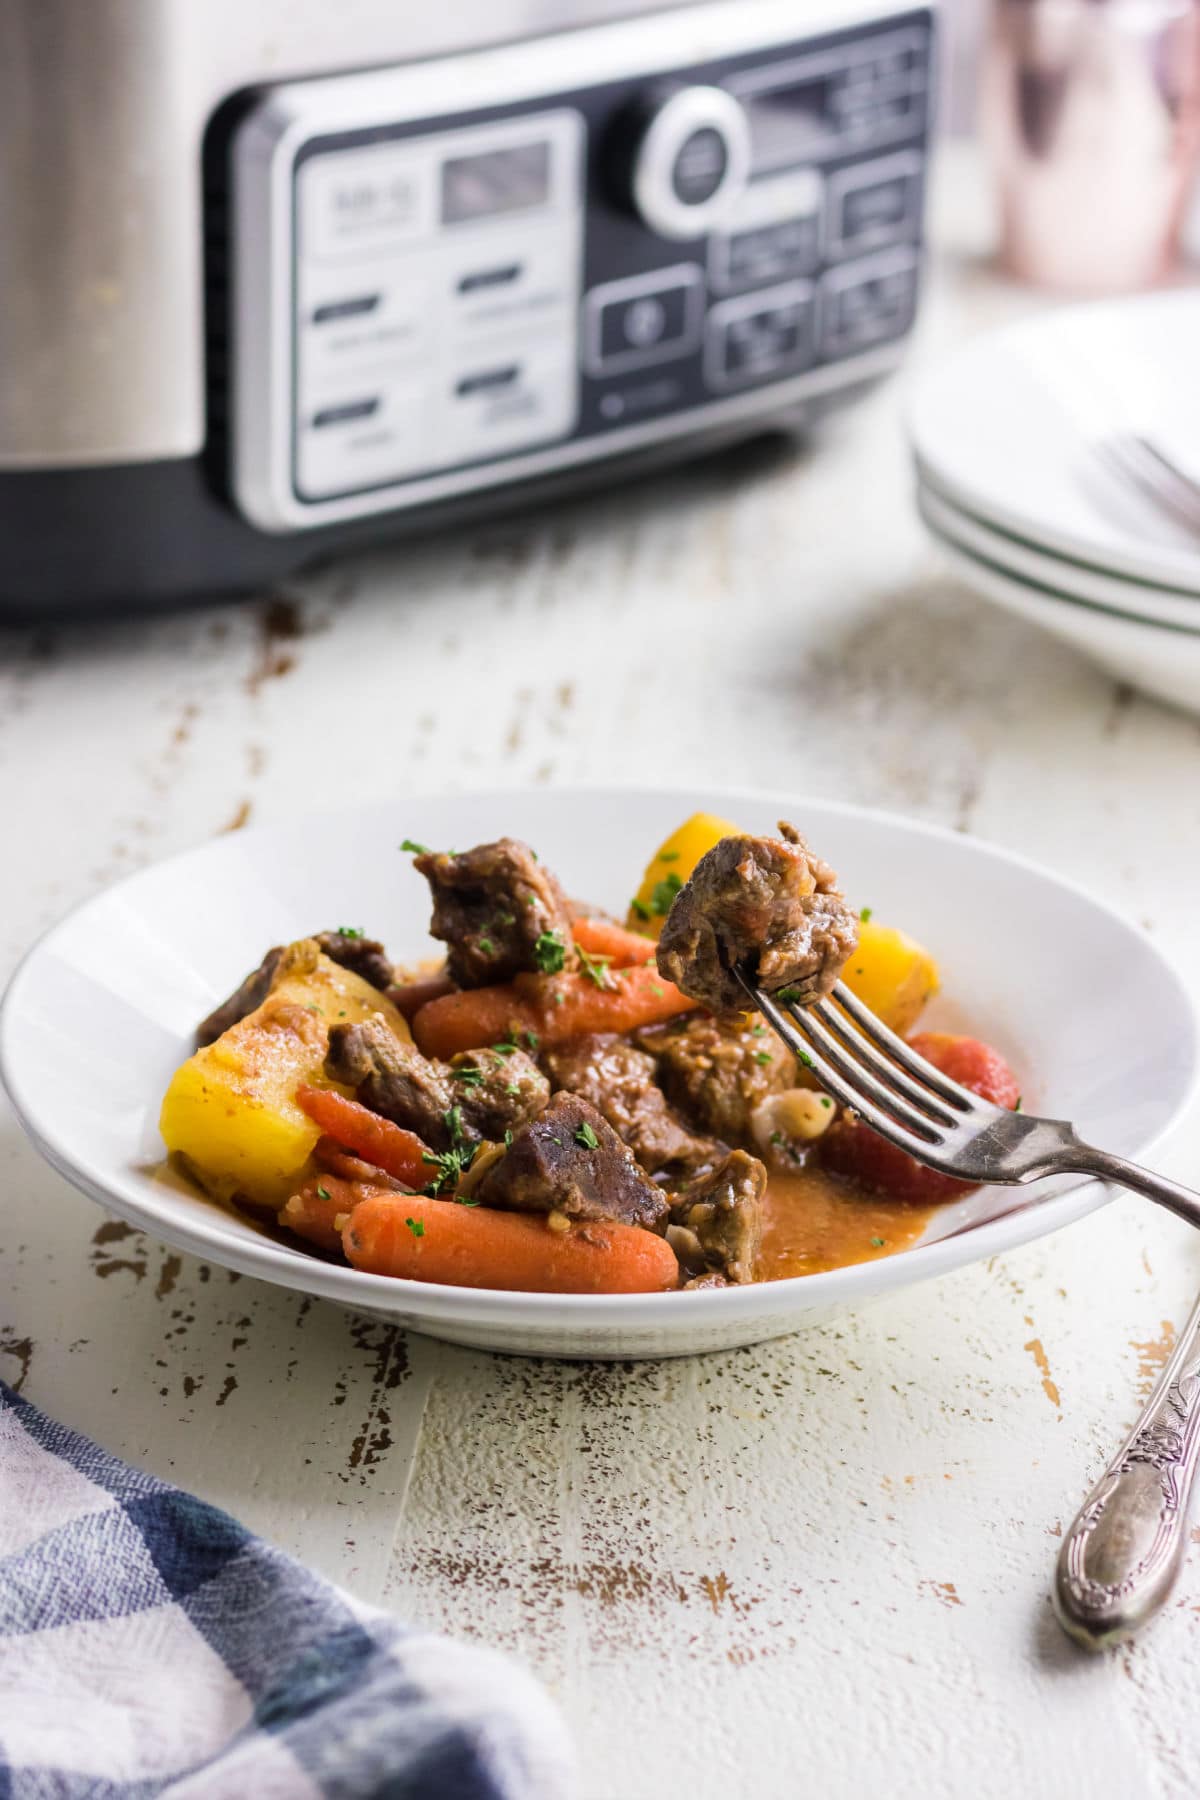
(443,280)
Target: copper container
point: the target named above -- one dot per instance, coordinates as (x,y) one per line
(1092,111)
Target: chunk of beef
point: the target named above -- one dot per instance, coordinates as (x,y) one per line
(717,1071)
(245,999)
(617,1078)
(570,1160)
(764,905)
(363,956)
(497,1092)
(491,906)
(492,1093)
(722,1217)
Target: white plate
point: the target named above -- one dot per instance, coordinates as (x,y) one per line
(103,1009)
(1076,581)
(1003,428)
(1162,661)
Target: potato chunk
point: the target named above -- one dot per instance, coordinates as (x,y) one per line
(892,974)
(230,1112)
(672,865)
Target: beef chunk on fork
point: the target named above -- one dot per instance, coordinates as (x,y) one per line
(617,1078)
(492,1093)
(716,1071)
(363,956)
(570,1160)
(717,1222)
(491,906)
(764,905)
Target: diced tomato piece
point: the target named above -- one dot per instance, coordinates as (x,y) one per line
(853,1149)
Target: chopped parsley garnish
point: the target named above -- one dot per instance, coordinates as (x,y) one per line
(805,1058)
(470,1074)
(878,1243)
(506,918)
(503,1050)
(663,895)
(532,1039)
(762,1056)
(668,856)
(550,953)
(657,991)
(758,1031)
(416,849)
(1020,1106)
(454,1162)
(826,1101)
(513,1087)
(350,931)
(776,1137)
(323,1193)
(416,1226)
(586,1136)
(508,1139)
(788,993)
(595,967)
(639,909)
(312,1008)
(487,947)
(865,914)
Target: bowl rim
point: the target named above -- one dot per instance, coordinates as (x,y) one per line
(396,1295)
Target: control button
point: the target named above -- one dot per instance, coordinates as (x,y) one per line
(700,166)
(874,204)
(356,308)
(358,441)
(531,284)
(778,235)
(647,319)
(533,400)
(761,336)
(681,157)
(868,303)
(346,412)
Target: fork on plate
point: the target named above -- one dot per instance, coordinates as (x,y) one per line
(1119,1559)
(1140,462)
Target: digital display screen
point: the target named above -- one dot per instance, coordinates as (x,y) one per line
(786,123)
(495,182)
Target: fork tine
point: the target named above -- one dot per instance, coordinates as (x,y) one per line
(816,1030)
(868,1053)
(886,1039)
(846,1092)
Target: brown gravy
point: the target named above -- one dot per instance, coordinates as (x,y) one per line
(816,1221)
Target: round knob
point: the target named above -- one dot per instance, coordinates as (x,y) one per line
(690,161)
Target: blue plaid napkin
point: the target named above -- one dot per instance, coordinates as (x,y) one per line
(149,1645)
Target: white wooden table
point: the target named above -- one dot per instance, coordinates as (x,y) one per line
(819,1567)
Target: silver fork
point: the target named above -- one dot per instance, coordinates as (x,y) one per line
(1119,1560)
(1138,460)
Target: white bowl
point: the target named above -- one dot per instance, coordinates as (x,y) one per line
(1005,427)
(1160,659)
(103,1009)
(1056,575)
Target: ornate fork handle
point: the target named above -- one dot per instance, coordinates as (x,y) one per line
(1119,1560)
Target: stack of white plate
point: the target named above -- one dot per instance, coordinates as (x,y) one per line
(1008,437)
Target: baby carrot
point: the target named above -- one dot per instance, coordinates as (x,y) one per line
(317,1211)
(409,997)
(547,1009)
(466,1246)
(390,1148)
(601,937)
